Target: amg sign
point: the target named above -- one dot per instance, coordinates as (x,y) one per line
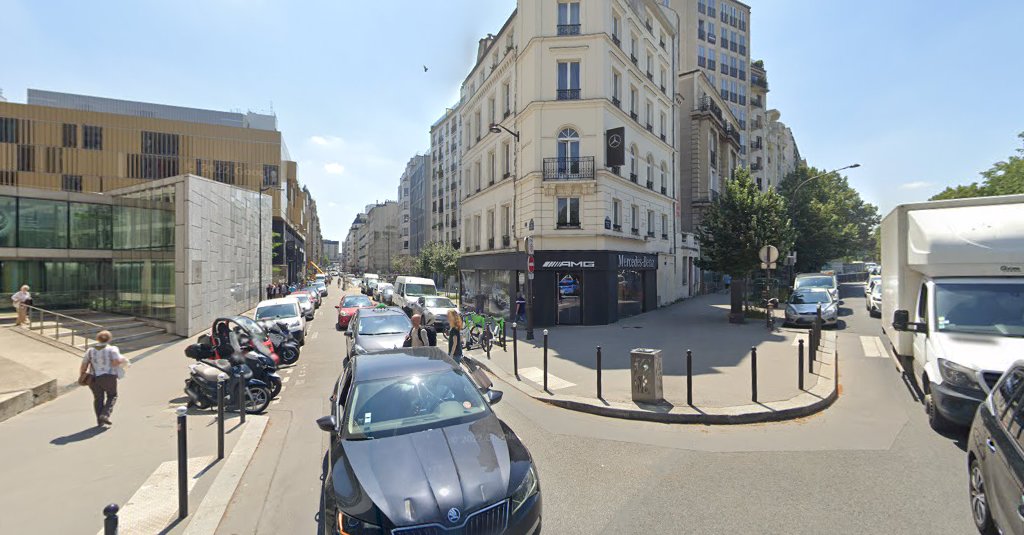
(584,264)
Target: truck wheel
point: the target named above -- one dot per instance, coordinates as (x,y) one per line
(935,419)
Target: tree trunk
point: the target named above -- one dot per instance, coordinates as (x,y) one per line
(736,292)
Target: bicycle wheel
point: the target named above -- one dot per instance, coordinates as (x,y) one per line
(486,341)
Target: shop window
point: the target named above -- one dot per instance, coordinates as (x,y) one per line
(630,293)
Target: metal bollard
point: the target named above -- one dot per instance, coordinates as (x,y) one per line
(545,360)
(753,374)
(240,395)
(515,350)
(811,353)
(110,519)
(182,463)
(800,364)
(504,336)
(220,414)
(689,377)
(599,373)
(836,370)
(489,347)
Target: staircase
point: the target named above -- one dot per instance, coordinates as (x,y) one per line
(78,329)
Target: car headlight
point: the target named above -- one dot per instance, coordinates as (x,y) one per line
(358,349)
(957,375)
(344,314)
(526,489)
(350,525)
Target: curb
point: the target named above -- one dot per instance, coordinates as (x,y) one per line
(811,401)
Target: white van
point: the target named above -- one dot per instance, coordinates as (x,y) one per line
(408,290)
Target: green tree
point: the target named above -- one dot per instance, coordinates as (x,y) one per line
(736,226)
(404,264)
(439,258)
(1003,178)
(829,218)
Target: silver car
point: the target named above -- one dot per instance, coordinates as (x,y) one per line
(375,329)
(821,281)
(802,307)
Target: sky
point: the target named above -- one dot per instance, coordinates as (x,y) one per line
(921,94)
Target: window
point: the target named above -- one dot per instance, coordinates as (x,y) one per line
(490,168)
(616,214)
(568,212)
(616,87)
(711,62)
(650,171)
(634,220)
(664,178)
(661,123)
(568,149)
(701,57)
(69,135)
(92,137)
(663,79)
(490,228)
(632,48)
(632,102)
(26,158)
(506,96)
(568,18)
(568,80)
(711,32)
(159,144)
(649,115)
(650,223)
(71,182)
(1006,397)
(650,63)
(506,160)
(42,224)
(632,163)
(224,172)
(270,175)
(477,175)
(8,130)
(664,226)
(506,212)
(616,27)
(491,110)
(54,160)
(91,225)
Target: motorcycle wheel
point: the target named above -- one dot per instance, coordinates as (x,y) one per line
(257,399)
(289,355)
(275,389)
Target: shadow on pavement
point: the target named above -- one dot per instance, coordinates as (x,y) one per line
(84,434)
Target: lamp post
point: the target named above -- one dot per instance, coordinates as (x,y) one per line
(800,185)
(497,129)
(260,261)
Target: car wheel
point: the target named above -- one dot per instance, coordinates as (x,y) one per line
(935,419)
(337,327)
(979,501)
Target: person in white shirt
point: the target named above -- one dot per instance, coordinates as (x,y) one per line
(20,299)
(419,335)
(106,365)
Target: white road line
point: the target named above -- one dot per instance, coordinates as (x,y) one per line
(275,401)
(867,344)
(315,335)
(286,370)
(800,336)
(155,504)
(537,376)
(285,380)
(882,352)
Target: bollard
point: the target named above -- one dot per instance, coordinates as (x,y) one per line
(817,328)
(836,370)
(811,353)
(110,519)
(182,463)
(240,395)
(753,373)
(689,377)
(504,336)
(545,360)
(599,373)
(489,345)
(800,365)
(220,414)
(515,351)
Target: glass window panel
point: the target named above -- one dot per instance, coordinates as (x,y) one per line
(91,226)
(8,221)
(42,223)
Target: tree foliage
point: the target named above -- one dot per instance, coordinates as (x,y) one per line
(738,224)
(404,264)
(440,258)
(829,218)
(1003,178)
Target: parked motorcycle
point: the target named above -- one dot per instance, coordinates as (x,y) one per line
(285,345)
(201,386)
(259,362)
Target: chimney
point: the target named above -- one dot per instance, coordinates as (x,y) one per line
(484,44)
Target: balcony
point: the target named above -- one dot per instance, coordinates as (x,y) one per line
(649,27)
(568,94)
(633,178)
(618,104)
(634,116)
(664,236)
(650,185)
(650,233)
(581,168)
(711,38)
(568,29)
(663,90)
(634,231)
(650,128)
(506,241)
(756,166)
(663,138)
(633,59)
(617,228)
(664,190)
(615,39)
(757,102)
(661,43)
(650,76)
(455,243)
(616,169)
(490,243)
(759,82)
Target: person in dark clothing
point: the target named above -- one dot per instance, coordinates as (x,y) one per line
(520,308)
(428,325)
(454,335)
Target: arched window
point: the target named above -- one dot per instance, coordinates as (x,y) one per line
(650,171)
(664,178)
(568,153)
(632,163)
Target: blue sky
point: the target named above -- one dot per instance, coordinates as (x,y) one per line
(920,93)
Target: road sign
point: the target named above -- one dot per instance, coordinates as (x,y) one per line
(529,245)
(765,265)
(768,254)
(529,264)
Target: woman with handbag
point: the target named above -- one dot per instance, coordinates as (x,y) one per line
(102,366)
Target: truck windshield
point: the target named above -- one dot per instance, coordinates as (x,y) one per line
(980,308)
(420,289)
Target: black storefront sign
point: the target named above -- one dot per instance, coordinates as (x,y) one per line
(615,147)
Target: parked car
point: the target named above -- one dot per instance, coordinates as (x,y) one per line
(374,329)
(874,301)
(321,286)
(872,281)
(802,307)
(381,289)
(347,309)
(826,281)
(419,411)
(439,307)
(283,310)
(995,462)
(408,290)
(305,303)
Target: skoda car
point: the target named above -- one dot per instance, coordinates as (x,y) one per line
(416,449)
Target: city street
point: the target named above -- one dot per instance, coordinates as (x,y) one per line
(868,464)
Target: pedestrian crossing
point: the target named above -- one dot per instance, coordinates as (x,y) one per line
(873,347)
(536,375)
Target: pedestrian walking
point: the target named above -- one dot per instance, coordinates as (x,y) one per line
(21,299)
(520,308)
(454,335)
(270,291)
(428,322)
(101,368)
(418,335)
(727,280)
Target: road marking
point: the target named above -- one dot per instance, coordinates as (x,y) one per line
(537,376)
(285,379)
(315,335)
(873,347)
(801,336)
(286,370)
(155,504)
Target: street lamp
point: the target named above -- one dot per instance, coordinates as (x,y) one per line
(800,185)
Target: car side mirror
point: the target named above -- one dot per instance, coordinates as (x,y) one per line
(327,423)
(338,307)
(900,320)
(348,334)
(494,396)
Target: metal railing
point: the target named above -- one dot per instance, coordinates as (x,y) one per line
(568,94)
(581,168)
(568,29)
(37,321)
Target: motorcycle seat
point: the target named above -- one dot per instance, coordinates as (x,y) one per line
(209,373)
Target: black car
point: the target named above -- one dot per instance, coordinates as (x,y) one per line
(994,457)
(415,449)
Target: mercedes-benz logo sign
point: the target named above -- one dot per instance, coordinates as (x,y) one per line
(454,515)
(614,141)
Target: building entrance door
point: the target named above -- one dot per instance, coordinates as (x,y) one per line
(569,297)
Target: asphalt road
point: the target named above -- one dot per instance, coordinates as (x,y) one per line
(869,464)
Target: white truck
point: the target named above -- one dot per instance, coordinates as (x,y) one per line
(953,288)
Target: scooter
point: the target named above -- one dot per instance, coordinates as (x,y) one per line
(285,345)
(201,386)
(260,365)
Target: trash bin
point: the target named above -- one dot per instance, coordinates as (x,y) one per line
(645,375)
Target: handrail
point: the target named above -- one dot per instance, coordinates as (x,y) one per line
(57,323)
(72,318)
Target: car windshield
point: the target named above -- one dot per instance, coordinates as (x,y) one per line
(399,405)
(301,296)
(809,297)
(814,282)
(385,324)
(356,301)
(877,290)
(439,302)
(980,308)
(420,289)
(280,310)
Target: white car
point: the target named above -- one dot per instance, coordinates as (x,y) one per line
(873,280)
(875,301)
(286,310)
(305,303)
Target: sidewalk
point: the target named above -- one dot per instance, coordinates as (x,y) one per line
(721,356)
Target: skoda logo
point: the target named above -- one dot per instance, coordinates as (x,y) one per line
(614,141)
(454,515)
